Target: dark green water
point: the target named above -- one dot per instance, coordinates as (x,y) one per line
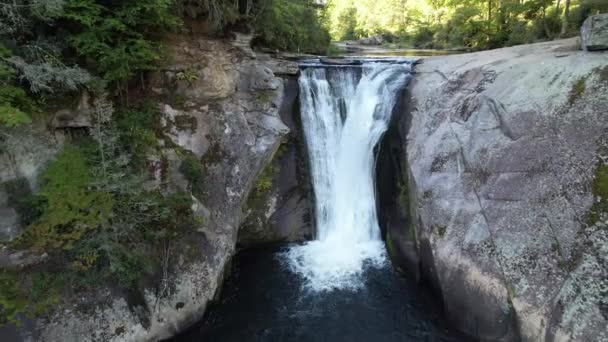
(263,301)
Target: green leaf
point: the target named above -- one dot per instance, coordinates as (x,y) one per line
(11,116)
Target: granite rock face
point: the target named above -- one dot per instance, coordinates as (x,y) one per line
(280,206)
(594,33)
(502,150)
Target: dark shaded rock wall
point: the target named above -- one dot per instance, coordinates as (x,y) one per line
(283,212)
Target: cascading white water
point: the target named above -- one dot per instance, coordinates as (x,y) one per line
(345,111)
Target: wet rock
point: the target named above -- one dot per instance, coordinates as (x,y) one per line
(340,61)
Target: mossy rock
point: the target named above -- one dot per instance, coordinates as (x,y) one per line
(577,91)
(599,210)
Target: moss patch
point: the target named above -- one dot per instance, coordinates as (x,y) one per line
(29,294)
(214,155)
(600,194)
(186,123)
(578,89)
(192,170)
(440,230)
(264,96)
(263,184)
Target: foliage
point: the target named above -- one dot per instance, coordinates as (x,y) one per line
(118,36)
(333,50)
(219,13)
(72,209)
(292,25)
(95,218)
(29,295)
(48,77)
(138,126)
(192,170)
(600,192)
(12,302)
(13,100)
(471,24)
(28,206)
(263,183)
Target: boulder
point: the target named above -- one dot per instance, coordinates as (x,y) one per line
(262,78)
(502,151)
(373,40)
(242,41)
(594,33)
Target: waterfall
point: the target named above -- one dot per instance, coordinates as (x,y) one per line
(345,111)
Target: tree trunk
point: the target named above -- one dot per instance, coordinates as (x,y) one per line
(565,19)
(545,26)
(489,16)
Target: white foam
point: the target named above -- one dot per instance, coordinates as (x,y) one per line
(341,154)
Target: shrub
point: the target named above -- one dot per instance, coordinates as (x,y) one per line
(138,127)
(423,38)
(13,100)
(120,38)
(192,170)
(72,208)
(292,25)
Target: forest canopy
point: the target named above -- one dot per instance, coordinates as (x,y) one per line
(471,24)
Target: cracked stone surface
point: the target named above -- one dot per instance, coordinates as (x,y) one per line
(501,153)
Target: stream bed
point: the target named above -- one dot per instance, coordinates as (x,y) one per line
(262,300)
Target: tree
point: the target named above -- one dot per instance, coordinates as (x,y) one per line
(118,39)
(565,19)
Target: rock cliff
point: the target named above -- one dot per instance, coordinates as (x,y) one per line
(218,103)
(506,173)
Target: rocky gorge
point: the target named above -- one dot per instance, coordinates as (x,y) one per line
(491,188)
(222,105)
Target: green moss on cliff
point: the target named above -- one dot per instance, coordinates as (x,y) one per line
(440,230)
(31,294)
(263,184)
(192,170)
(600,193)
